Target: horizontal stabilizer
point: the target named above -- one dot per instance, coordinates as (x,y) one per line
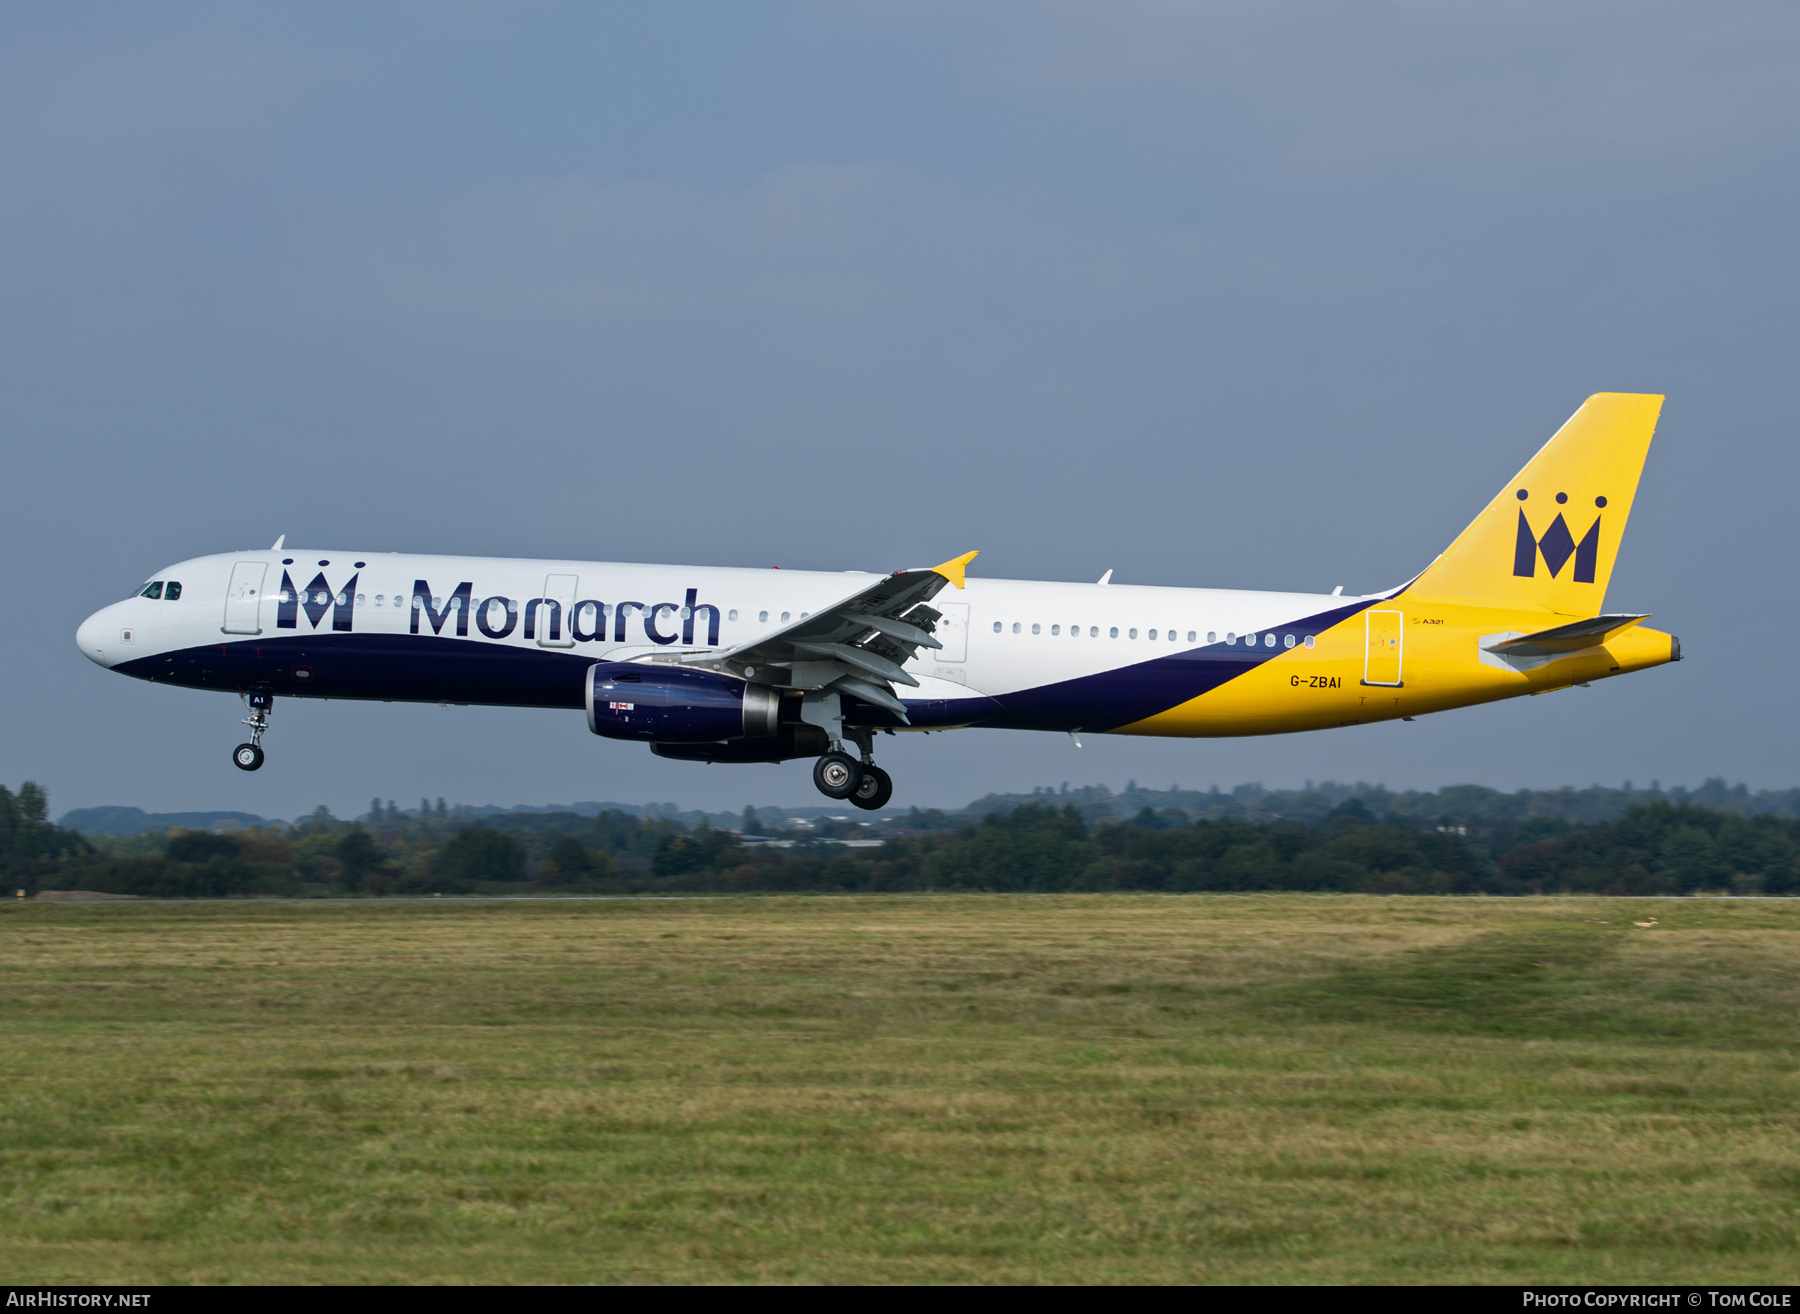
(1568,638)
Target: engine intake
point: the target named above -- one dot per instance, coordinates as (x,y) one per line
(667,704)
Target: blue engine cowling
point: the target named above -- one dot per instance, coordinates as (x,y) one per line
(667,704)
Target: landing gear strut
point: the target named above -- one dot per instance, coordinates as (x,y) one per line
(248,757)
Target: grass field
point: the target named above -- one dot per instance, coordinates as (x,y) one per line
(1089,1088)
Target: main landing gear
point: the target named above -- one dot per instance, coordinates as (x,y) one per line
(865,785)
(248,757)
(874,789)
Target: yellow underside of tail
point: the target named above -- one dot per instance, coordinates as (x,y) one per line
(1355,676)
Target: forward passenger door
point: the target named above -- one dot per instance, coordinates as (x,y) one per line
(243,598)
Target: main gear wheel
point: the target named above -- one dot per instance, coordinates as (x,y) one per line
(837,775)
(874,790)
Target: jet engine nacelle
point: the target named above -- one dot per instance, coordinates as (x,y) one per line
(672,705)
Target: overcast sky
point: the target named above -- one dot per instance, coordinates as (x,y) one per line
(1225,294)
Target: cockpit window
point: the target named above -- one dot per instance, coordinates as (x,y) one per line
(172,590)
(152,590)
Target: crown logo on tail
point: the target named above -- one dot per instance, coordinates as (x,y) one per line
(1557,545)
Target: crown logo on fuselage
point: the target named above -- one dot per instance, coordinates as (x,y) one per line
(315,600)
(1557,545)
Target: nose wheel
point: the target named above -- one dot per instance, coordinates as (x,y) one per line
(249,757)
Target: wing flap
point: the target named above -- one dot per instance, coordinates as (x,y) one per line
(856,646)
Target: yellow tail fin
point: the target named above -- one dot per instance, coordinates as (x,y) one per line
(1550,537)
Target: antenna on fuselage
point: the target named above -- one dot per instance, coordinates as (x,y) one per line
(276,547)
(1106,578)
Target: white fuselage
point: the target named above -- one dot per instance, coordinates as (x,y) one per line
(1000,636)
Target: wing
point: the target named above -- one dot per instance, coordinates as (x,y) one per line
(858,645)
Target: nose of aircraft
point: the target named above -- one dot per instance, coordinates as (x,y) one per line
(96,638)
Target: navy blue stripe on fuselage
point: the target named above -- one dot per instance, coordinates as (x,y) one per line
(1129,694)
(399,668)
(437,669)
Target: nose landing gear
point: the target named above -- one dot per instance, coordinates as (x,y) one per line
(248,757)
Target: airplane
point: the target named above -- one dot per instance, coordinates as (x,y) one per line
(733,665)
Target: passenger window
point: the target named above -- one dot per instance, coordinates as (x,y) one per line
(359,599)
(1249,640)
(1287,641)
(1172,636)
(1309,641)
(152,590)
(1212,636)
(172,591)
(1132,635)
(1230,638)
(1036,628)
(1015,627)
(1056,629)
(1114,632)
(1268,640)
(784,617)
(1190,636)
(996,627)
(732,614)
(1152,634)
(762,617)
(1094,632)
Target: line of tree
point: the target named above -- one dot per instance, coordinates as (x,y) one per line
(1655,848)
(1473,806)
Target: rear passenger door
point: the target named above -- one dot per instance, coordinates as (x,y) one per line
(1381,661)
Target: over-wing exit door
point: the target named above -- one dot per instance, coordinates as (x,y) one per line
(952,632)
(557,629)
